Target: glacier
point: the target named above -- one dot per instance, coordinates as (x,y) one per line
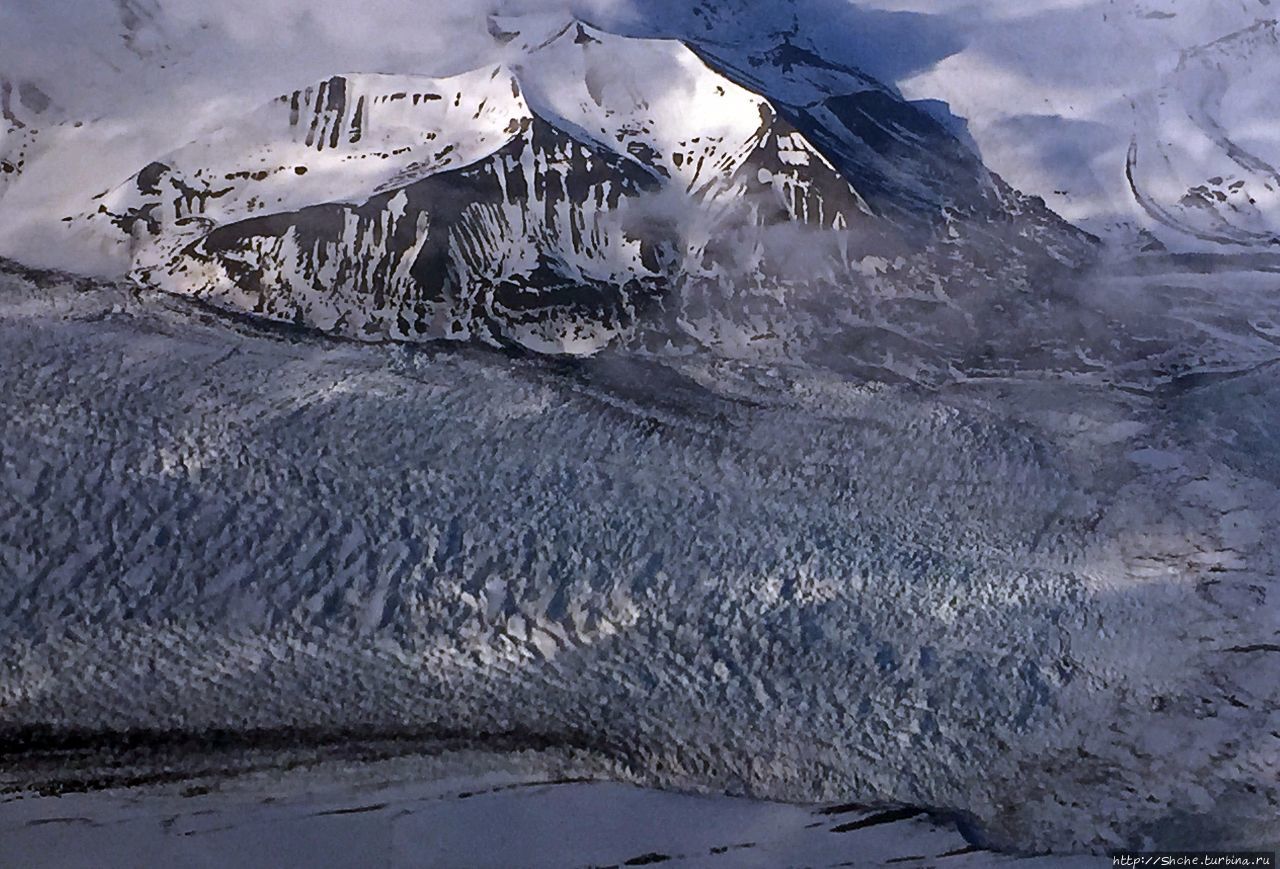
(1006,596)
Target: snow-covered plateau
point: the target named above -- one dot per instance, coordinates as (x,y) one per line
(419,429)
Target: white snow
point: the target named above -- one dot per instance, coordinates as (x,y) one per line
(1055,90)
(629,114)
(1052,92)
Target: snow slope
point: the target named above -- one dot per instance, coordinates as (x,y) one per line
(1204,160)
(1054,94)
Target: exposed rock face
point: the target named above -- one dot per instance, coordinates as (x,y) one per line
(22,104)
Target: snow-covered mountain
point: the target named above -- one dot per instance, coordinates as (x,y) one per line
(540,203)
(144,78)
(585,186)
(1052,93)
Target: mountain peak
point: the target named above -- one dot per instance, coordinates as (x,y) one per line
(537,30)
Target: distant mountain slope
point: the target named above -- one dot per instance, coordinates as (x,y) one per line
(1051,93)
(1204,159)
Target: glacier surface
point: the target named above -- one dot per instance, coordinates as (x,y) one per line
(1039,599)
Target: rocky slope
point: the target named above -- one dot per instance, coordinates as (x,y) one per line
(479,215)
